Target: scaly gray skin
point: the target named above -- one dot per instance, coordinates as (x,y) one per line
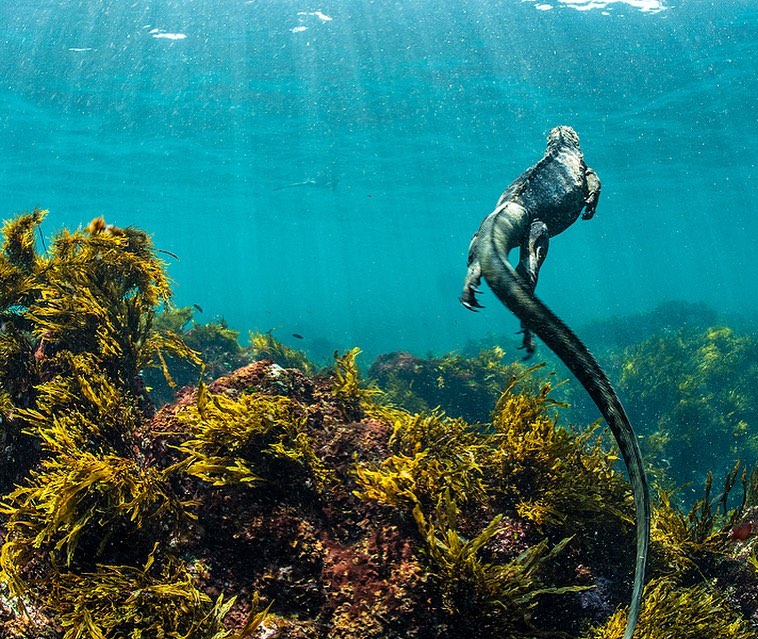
(542,202)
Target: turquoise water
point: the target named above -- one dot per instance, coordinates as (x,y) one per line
(186,119)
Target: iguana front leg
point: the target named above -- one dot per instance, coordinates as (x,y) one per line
(593,195)
(532,254)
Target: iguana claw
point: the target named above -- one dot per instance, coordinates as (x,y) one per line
(471,305)
(528,344)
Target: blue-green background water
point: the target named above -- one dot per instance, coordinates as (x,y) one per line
(424,111)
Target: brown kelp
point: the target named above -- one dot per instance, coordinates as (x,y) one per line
(690,387)
(543,481)
(266,346)
(277,502)
(216,346)
(358,519)
(89,519)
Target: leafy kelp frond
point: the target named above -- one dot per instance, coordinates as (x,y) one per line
(492,479)
(82,409)
(556,476)
(346,375)
(353,398)
(94,293)
(668,611)
(19,263)
(397,391)
(213,338)
(166,346)
(99,296)
(751,495)
(549,474)
(239,440)
(82,494)
(18,248)
(428,455)
(468,583)
(485,371)
(123,258)
(6,407)
(266,346)
(184,354)
(18,367)
(465,387)
(148,601)
(487,359)
(686,540)
(173,319)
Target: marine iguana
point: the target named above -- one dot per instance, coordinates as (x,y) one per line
(542,202)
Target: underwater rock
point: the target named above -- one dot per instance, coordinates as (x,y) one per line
(301,539)
(297,509)
(465,387)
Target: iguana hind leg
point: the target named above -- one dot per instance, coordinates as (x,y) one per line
(532,254)
(473,278)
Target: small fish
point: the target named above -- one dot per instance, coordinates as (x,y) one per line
(297,336)
(324,179)
(198,308)
(174,255)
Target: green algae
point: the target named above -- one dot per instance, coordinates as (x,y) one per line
(688,541)
(470,587)
(214,351)
(145,602)
(691,553)
(465,387)
(548,473)
(523,465)
(699,388)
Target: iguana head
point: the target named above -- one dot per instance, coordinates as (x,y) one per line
(562,136)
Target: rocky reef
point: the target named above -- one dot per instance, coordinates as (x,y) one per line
(278,501)
(686,376)
(691,393)
(465,387)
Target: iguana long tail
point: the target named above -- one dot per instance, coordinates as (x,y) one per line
(510,289)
